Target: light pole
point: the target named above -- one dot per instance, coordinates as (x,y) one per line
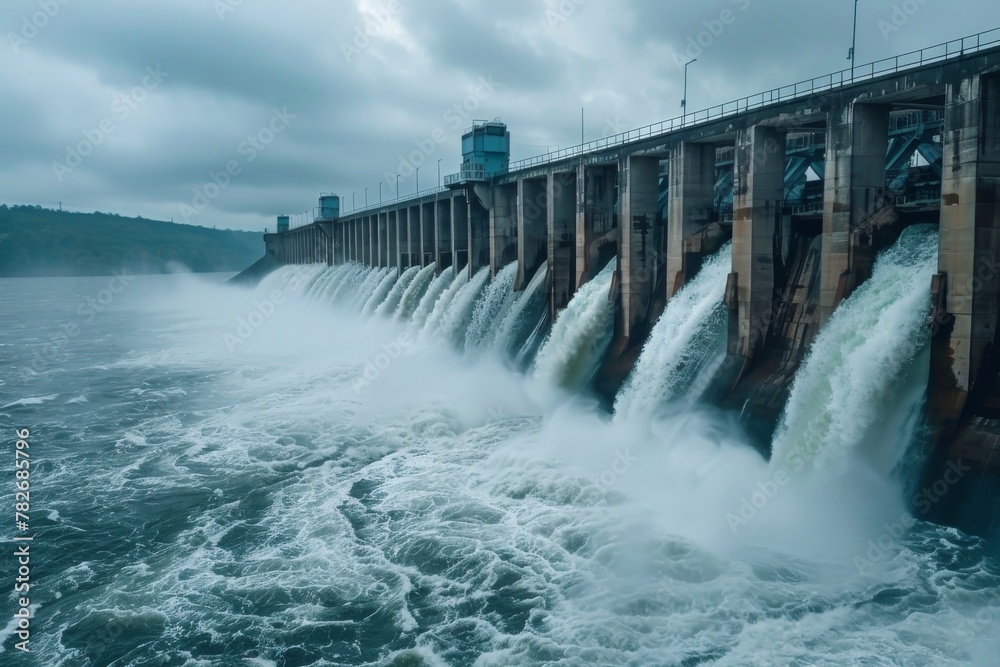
(418,179)
(854,40)
(439,172)
(380,193)
(684,102)
(397,187)
(354,201)
(366,196)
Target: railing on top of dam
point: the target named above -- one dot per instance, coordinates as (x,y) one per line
(905,61)
(306,218)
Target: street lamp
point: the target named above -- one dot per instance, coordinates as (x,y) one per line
(684,102)
(366,197)
(418,179)
(397,187)
(439,172)
(854,40)
(380,193)
(354,201)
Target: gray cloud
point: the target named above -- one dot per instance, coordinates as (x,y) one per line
(355,117)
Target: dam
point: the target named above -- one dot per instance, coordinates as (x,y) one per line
(751,234)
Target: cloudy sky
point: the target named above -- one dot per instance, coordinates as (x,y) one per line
(137,107)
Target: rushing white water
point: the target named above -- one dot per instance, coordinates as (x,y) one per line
(524,317)
(854,388)
(455,321)
(350,284)
(385,287)
(414,294)
(342,274)
(431,296)
(321,282)
(690,334)
(443,303)
(371,281)
(391,302)
(490,309)
(580,336)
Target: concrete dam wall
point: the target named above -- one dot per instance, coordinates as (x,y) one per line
(740,238)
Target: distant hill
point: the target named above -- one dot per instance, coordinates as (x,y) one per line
(35,241)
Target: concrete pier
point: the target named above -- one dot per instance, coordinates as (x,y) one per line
(503,227)
(637,255)
(596,220)
(561,227)
(428,225)
(459,232)
(857,135)
(532,233)
(691,205)
(442,222)
(758,192)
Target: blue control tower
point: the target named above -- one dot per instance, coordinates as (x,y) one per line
(485,152)
(329,208)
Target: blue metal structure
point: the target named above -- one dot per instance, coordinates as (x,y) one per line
(282,223)
(485,152)
(329,207)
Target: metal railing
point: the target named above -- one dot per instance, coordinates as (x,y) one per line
(391,202)
(953,49)
(477,172)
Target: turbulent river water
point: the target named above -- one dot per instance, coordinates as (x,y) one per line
(297,475)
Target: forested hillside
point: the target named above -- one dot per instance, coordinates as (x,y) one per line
(35,241)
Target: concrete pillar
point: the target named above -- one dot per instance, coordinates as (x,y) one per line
(393,234)
(339,244)
(369,236)
(596,222)
(639,188)
(561,226)
(428,242)
(414,232)
(691,203)
(853,190)
(355,244)
(479,232)
(969,256)
(459,231)
(442,222)
(403,231)
(503,227)
(532,231)
(382,222)
(758,196)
